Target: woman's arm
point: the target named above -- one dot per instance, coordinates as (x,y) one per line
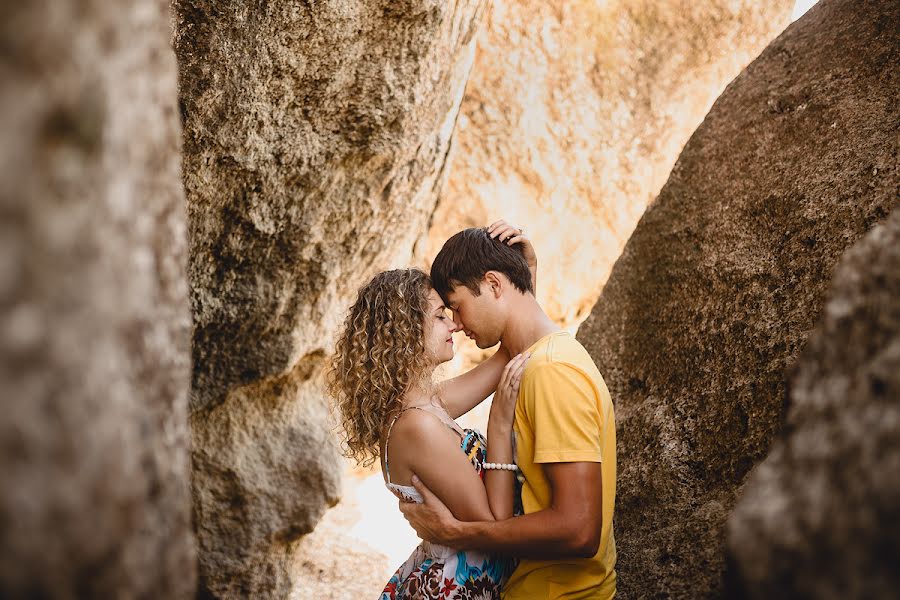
(464,392)
(423,445)
(500,484)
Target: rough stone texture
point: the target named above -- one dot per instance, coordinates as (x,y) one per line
(574,116)
(726,274)
(94,310)
(324,554)
(264,472)
(820,516)
(316,139)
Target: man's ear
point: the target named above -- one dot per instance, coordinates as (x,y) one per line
(495,283)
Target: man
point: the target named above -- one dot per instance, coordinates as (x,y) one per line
(564,428)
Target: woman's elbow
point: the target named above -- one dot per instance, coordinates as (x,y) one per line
(502,515)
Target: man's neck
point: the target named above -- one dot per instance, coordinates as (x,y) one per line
(527,324)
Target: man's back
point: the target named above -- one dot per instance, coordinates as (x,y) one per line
(564,415)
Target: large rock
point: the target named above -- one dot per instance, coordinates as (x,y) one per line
(94,312)
(820,516)
(316,140)
(574,116)
(726,274)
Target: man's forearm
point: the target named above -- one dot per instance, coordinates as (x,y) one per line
(542,535)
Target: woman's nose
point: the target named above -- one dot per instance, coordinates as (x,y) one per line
(453,326)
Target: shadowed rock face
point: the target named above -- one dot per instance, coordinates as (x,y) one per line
(820,516)
(94,313)
(726,273)
(574,116)
(316,140)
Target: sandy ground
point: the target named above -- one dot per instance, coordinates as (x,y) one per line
(356,546)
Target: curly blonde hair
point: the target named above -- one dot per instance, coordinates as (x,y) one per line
(379,355)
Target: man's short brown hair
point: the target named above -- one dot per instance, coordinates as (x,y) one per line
(471,253)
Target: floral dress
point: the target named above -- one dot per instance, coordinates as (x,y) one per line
(433,571)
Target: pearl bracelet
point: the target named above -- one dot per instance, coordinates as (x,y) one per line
(500,466)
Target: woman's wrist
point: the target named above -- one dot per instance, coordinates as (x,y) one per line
(499,425)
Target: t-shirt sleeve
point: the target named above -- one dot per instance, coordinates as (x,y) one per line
(563,409)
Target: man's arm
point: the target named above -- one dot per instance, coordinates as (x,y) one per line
(570,527)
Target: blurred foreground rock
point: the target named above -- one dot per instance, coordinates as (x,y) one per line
(94,314)
(316,141)
(725,275)
(820,516)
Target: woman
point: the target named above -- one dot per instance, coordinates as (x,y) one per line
(396,333)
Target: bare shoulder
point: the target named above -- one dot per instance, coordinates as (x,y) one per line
(419,439)
(419,425)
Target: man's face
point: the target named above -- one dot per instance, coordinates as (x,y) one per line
(478,316)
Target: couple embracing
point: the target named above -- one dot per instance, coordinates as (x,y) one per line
(526,513)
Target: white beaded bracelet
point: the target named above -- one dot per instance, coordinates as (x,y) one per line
(500,466)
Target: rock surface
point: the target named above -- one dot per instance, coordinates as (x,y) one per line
(316,141)
(726,274)
(94,310)
(820,516)
(574,115)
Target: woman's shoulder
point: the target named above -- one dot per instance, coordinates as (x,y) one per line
(418,423)
(417,441)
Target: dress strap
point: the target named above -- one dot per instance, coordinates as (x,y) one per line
(387,440)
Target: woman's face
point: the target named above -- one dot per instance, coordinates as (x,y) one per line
(439,328)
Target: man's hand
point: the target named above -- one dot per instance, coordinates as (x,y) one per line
(432,520)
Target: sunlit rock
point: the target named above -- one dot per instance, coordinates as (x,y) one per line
(94,314)
(725,276)
(820,516)
(316,141)
(574,116)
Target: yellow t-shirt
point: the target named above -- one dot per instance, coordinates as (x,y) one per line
(564,414)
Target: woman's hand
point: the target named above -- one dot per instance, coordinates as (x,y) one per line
(510,234)
(503,407)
